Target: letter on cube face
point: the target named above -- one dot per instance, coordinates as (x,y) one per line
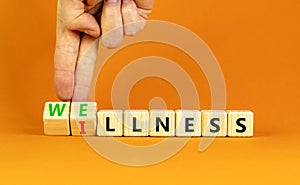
(214,123)
(136,123)
(162,123)
(110,123)
(83,118)
(188,123)
(240,123)
(56,118)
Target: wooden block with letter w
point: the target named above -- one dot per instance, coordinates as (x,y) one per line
(56,118)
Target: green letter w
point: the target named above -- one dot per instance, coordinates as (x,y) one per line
(56,108)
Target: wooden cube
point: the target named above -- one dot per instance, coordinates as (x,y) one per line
(214,123)
(240,123)
(136,123)
(110,123)
(83,118)
(162,123)
(56,118)
(188,123)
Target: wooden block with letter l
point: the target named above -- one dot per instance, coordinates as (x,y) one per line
(188,123)
(83,120)
(136,123)
(240,123)
(162,123)
(110,123)
(214,123)
(56,118)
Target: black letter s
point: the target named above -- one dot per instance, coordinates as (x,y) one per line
(238,122)
(212,123)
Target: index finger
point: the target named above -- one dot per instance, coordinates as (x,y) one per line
(66,52)
(85,68)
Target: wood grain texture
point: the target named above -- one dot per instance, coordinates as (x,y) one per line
(214,123)
(136,123)
(240,123)
(188,123)
(56,118)
(160,119)
(110,123)
(83,118)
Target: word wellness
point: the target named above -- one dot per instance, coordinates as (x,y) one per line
(83,118)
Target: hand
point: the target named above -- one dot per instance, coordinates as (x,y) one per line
(79,23)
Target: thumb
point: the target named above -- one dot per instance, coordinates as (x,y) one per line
(85,23)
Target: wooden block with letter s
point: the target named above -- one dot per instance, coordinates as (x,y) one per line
(214,123)
(240,123)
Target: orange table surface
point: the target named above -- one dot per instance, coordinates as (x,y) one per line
(28,157)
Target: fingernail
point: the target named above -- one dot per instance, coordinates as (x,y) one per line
(126,1)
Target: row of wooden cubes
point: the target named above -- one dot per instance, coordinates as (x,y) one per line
(83,118)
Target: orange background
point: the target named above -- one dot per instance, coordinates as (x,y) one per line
(260,37)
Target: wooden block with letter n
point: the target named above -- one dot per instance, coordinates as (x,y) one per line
(162,123)
(110,123)
(214,123)
(240,123)
(83,119)
(188,123)
(136,123)
(56,118)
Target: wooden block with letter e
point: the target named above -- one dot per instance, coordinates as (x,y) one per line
(240,123)
(162,123)
(56,118)
(136,123)
(110,123)
(188,123)
(83,118)
(214,123)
